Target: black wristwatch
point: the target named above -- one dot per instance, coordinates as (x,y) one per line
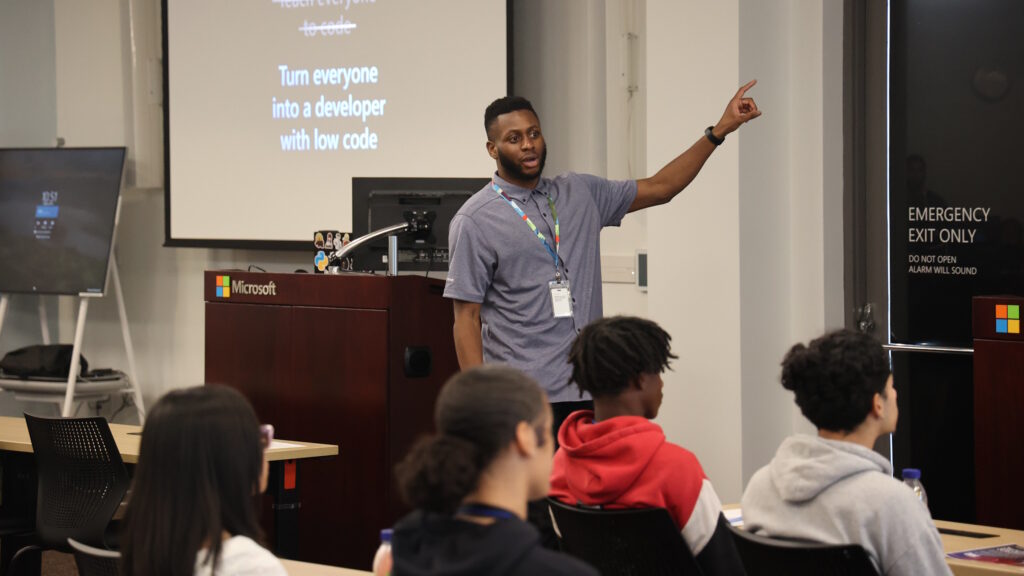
(711,136)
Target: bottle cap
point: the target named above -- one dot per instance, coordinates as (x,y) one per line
(385,535)
(911,474)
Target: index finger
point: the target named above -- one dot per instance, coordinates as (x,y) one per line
(743,89)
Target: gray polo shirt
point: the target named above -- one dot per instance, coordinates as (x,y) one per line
(498,262)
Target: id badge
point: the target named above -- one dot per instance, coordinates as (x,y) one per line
(561,298)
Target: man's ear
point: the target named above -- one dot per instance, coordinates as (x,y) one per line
(526,439)
(492,150)
(877,405)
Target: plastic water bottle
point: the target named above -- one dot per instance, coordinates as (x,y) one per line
(382,559)
(912,478)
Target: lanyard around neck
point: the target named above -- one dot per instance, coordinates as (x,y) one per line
(484,511)
(540,235)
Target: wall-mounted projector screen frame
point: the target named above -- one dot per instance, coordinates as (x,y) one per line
(228,213)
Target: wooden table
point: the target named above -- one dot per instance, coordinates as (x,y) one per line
(959,543)
(296,568)
(282,486)
(14,438)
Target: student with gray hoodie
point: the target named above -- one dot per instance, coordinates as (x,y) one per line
(834,487)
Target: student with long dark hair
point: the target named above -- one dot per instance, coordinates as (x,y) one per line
(471,482)
(193,507)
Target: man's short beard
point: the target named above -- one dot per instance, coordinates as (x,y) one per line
(513,170)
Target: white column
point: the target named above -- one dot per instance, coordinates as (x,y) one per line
(693,243)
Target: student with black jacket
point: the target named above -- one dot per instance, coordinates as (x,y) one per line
(470,483)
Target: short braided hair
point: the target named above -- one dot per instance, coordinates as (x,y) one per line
(612,352)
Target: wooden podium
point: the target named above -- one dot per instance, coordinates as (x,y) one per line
(998,410)
(353,360)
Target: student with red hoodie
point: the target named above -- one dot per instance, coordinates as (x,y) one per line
(615,457)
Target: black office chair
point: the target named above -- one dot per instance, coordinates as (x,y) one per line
(642,541)
(81,482)
(95,561)
(763,556)
(18,509)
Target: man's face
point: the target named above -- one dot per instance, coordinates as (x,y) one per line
(518,146)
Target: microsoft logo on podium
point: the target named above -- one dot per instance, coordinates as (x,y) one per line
(226,286)
(223,286)
(1008,318)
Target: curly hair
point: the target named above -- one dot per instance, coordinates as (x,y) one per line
(835,378)
(612,352)
(504,106)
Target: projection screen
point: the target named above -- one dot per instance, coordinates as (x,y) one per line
(273,106)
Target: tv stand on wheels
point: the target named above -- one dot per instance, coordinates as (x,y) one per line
(69,394)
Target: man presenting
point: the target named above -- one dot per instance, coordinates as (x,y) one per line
(525,270)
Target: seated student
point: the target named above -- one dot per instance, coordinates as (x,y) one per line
(834,487)
(616,457)
(192,508)
(471,482)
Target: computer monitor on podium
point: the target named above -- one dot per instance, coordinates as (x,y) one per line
(381,202)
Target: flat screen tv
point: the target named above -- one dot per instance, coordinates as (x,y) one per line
(58,209)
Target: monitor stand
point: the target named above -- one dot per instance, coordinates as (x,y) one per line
(73,380)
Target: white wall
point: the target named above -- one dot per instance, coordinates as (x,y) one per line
(692,70)
(91,48)
(625,147)
(791,204)
(767,231)
(27,85)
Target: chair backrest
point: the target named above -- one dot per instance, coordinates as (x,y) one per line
(770,556)
(95,561)
(82,478)
(643,541)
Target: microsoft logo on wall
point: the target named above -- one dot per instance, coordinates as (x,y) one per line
(1008,318)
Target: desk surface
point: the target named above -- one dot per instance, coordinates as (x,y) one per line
(295,568)
(14,438)
(951,543)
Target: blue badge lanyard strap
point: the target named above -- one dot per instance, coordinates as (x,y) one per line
(540,235)
(484,511)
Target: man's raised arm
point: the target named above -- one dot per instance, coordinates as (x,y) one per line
(678,173)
